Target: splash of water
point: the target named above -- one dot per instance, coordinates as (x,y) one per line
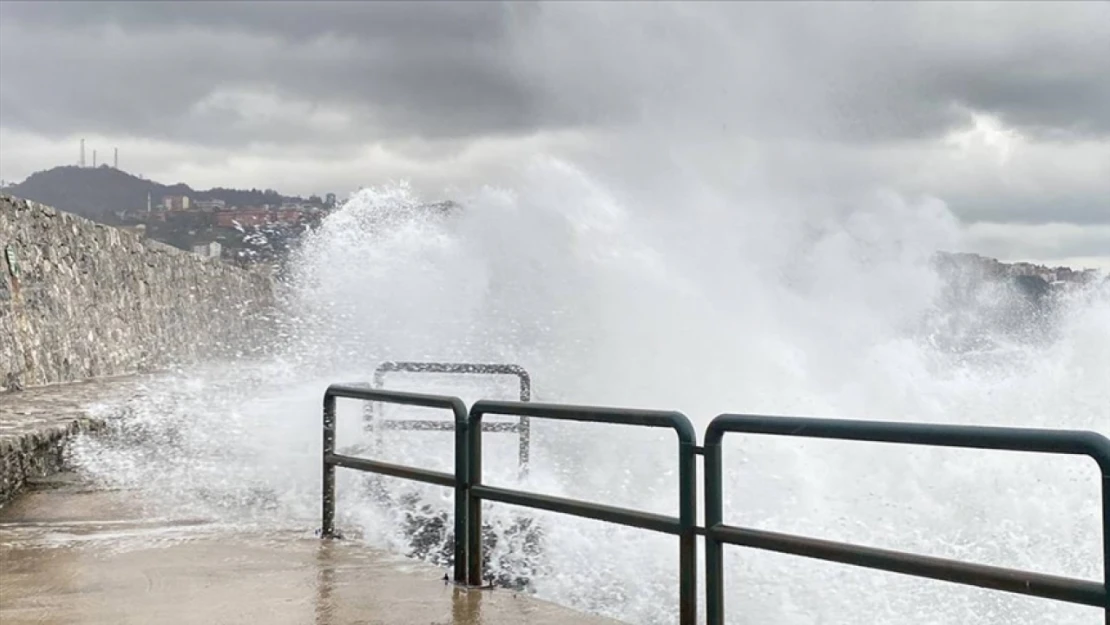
(731,306)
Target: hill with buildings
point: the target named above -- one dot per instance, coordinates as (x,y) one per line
(238,225)
(252,225)
(1036,279)
(101,193)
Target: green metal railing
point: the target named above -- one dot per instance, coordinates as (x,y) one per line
(683,525)
(458,481)
(469,491)
(522,428)
(1009,439)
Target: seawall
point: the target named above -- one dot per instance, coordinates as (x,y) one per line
(82,300)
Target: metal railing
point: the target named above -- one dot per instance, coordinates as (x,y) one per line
(522,427)
(458,481)
(469,491)
(995,438)
(683,525)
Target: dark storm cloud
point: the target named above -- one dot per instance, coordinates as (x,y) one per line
(142,68)
(850,72)
(286,20)
(858,73)
(1038,67)
(819,98)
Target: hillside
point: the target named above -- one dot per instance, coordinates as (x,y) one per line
(97,193)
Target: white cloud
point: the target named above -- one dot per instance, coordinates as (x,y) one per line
(1053,243)
(432,167)
(253,111)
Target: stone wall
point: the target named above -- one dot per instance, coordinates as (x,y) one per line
(81,300)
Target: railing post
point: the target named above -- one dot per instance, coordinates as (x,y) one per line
(524,424)
(1105,535)
(1068,442)
(523,428)
(714,515)
(462,494)
(474,504)
(327,526)
(688,546)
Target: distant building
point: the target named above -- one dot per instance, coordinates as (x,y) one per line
(210,205)
(208,250)
(176,202)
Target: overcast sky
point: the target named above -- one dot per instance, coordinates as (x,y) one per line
(1000,110)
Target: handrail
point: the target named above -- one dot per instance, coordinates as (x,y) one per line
(458,481)
(469,491)
(683,526)
(717,533)
(393,366)
(522,427)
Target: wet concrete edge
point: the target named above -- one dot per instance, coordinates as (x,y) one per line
(38,453)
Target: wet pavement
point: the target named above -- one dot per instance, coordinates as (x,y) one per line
(70,555)
(45,407)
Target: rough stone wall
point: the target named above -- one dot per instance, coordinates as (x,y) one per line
(81,300)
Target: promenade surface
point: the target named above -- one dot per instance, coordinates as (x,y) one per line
(75,555)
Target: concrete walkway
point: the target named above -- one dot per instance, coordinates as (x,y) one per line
(79,557)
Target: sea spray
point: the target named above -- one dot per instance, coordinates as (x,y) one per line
(751,306)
